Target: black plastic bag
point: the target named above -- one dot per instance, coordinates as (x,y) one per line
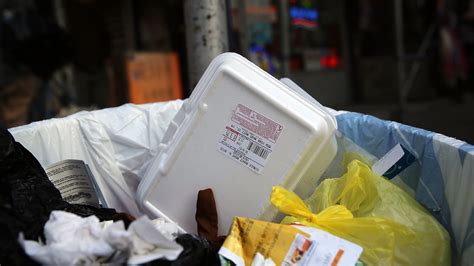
(27,197)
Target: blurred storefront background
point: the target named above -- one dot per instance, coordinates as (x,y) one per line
(409,61)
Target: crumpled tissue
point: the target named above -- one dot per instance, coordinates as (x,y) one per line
(74,240)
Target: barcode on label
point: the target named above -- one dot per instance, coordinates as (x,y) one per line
(258,150)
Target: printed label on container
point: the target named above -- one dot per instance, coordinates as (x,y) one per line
(249,138)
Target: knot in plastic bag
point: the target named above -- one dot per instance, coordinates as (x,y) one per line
(289,203)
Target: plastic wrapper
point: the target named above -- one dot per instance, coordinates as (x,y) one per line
(253,242)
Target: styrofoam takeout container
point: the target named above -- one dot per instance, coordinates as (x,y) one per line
(240,133)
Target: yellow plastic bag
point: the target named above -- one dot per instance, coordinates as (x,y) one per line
(368,210)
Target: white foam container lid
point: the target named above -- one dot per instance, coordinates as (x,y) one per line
(240,133)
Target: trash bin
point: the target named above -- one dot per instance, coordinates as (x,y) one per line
(119,143)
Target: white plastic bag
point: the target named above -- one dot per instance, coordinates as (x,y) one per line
(117,144)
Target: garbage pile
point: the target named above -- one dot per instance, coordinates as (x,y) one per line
(358,218)
(249,170)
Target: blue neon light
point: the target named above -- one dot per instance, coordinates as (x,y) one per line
(304,13)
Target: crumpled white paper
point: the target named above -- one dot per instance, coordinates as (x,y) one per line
(73,240)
